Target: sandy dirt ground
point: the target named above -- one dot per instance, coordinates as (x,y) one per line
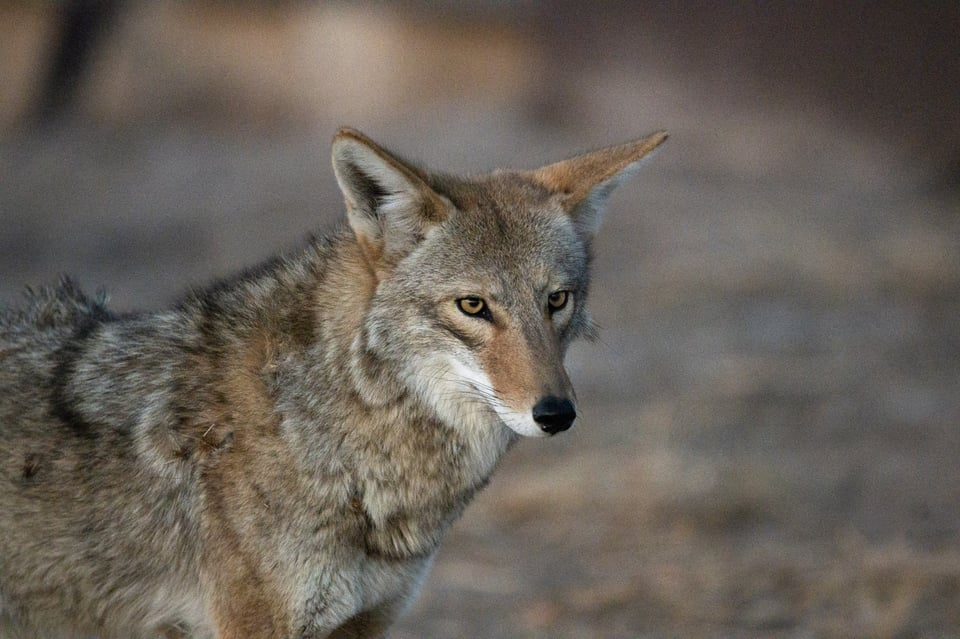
(770,425)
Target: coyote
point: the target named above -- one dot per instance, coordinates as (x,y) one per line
(280,454)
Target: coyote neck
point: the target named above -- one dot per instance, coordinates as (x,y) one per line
(410,474)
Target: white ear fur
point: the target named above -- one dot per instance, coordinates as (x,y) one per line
(389,206)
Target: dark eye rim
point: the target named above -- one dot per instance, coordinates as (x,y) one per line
(564,300)
(482,311)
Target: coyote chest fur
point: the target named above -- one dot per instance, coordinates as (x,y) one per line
(279,455)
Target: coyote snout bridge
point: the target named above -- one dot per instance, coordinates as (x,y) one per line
(279,455)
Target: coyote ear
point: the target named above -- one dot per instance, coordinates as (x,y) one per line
(390,207)
(585,182)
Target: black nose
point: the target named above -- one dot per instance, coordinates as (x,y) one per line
(554,414)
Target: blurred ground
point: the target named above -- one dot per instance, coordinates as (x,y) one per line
(769,438)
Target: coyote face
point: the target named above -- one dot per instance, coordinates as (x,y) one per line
(495,296)
(481,284)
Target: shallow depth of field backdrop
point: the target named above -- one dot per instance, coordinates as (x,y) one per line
(770,427)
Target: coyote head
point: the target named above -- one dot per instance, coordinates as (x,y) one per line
(480,284)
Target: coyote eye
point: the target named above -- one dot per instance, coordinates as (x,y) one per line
(475,307)
(557,300)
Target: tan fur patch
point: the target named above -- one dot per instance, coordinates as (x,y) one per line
(248,605)
(510,365)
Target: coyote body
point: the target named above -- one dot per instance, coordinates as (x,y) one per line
(280,455)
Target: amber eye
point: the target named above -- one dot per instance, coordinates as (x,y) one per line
(474,306)
(557,300)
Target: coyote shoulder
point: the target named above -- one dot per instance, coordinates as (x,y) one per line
(279,455)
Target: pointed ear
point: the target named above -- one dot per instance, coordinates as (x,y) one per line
(584,183)
(390,207)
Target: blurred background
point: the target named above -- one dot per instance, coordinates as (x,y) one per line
(770,425)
